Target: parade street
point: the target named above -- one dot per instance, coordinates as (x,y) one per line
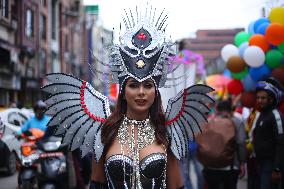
(8,182)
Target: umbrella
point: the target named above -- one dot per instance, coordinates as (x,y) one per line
(218,82)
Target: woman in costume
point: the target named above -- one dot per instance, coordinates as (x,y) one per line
(138,145)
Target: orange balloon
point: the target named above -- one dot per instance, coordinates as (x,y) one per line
(260,41)
(236,64)
(275,34)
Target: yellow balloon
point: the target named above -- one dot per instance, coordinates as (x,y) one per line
(277,15)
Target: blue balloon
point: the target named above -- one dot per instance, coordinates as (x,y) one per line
(273,47)
(250,28)
(259,22)
(259,73)
(227,73)
(248,83)
(262,28)
(242,48)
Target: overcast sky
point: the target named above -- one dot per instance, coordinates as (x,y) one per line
(187,16)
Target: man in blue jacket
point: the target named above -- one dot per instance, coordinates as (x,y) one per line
(39,120)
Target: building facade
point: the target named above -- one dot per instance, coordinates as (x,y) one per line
(209,43)
(39,37)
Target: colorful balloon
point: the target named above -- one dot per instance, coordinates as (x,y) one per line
(273,58)
(259,73)
(241,37)
(276,15)
(251,28)
(236,64)
(249,83)
(281,48)
(248,99)
(275,33)
(262,28)
(254,56)
(260,41)
(235,87)
(242,48)
(278,73)
(228,51)
(258,22)
(227,73)
(240,75)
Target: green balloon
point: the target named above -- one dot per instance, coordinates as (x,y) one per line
(281,48)
(241,37)
(273,58)
(240,75)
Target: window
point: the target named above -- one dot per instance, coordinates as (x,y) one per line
(29,29)
(42,27)
(5,8)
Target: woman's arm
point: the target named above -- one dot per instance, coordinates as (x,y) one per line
(174,178)
(98,174)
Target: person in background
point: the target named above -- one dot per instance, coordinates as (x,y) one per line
(227,177)
(252,174)
(39,120)
(191,162)
(268,137)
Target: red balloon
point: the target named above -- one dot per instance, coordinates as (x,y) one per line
(275,33)
(248,99)
(278,73)
(235,87)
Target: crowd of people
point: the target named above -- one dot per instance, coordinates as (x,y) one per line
(259,139)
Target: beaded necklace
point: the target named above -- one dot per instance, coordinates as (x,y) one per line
(145,137)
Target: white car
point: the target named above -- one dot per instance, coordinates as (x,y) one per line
(12,119)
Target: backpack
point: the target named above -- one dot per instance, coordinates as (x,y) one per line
(217,143)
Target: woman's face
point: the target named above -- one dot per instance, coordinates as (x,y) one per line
(139,97)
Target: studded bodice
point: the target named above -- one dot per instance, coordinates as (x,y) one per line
(119,171)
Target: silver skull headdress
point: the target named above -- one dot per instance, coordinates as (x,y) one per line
(143,50)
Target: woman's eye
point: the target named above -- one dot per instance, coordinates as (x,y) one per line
(133,85)
(148,85)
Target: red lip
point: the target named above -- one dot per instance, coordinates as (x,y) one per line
(140,101)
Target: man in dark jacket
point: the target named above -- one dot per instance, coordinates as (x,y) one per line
(268,137)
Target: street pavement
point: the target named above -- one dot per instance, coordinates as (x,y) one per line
(8,182)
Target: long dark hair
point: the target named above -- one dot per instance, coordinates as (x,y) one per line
(110,127)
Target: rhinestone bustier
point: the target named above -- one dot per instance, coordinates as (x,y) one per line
(119,171)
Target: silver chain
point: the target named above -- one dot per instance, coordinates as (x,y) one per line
(145,137)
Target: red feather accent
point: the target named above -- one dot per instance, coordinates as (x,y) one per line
(83,104)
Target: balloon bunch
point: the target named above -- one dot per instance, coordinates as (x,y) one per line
(258,52)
